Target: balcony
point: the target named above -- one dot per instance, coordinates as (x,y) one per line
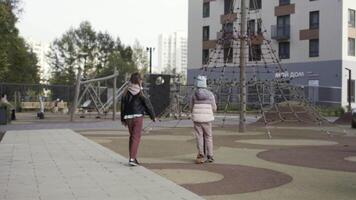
(280,32)
(309,34)
(283,10)
(228,18)
(209,44)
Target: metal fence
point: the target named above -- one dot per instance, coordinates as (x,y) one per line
(228,98)
(30,92)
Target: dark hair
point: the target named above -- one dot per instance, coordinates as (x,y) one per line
(135,78)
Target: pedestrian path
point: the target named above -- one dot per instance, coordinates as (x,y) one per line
(114,125)
(61,164)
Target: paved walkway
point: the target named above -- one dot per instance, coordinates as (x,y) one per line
(107,124)
(61,164)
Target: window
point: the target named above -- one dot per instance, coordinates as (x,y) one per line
(255,4)
(351,45)
(206,33)
(228,27)
(352,90)
(284,50)
(255,53)
(205,56)
(284,2)
(228,55)
(206,9)
(259,26)
(314,20)
(314,48)
(228,6)
(228,31)
(251,27)
(283,26)
(351,18)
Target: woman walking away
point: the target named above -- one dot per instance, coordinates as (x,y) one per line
(202,107)
(133,107)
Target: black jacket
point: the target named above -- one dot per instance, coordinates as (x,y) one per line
(136,104)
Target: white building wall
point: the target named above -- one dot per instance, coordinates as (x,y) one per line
(333,34)
(348,61)
(195,46)
(172,52)
(330,29)
(181,52)
(41,50)
(163,49)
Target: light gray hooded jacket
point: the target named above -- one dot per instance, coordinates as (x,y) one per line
(203,105)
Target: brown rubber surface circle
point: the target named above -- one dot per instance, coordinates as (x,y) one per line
(331,158)
(237,179)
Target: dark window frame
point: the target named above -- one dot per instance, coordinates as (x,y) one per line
(206,33)
(206,9)
(314,48)
(284,50)
(205,56)
(259,26)
(255,53)
(255,4)
(351,20)
(228,55)
(283,25)
(228,6)
(284,2)
(251,27)
(351,47)
(314,19)
(352,90)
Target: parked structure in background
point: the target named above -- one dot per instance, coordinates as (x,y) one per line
(41,50)
(314,40)
(172,53)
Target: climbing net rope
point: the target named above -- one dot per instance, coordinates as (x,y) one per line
(270,94)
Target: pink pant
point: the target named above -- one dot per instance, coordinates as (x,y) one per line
(203,134)
(135,129)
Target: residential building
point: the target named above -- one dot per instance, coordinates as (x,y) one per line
(41,50)
(172,53)
(313,39)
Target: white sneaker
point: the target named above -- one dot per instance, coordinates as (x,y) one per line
(133,162)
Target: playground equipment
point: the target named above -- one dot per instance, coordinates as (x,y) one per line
(90,90)
(245,73)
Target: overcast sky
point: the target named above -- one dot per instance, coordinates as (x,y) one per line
(45,20)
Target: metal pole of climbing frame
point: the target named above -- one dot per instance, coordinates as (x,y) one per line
(114,96)
(242,125)
(76,95)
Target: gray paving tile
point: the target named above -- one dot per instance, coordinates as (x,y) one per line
(61,164)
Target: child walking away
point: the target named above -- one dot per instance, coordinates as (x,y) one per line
(202,107)
(133,107)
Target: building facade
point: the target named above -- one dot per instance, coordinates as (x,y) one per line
(313,39)
(172,53)
(41,50)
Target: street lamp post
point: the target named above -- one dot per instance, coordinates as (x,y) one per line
(349,89)
(150,50)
